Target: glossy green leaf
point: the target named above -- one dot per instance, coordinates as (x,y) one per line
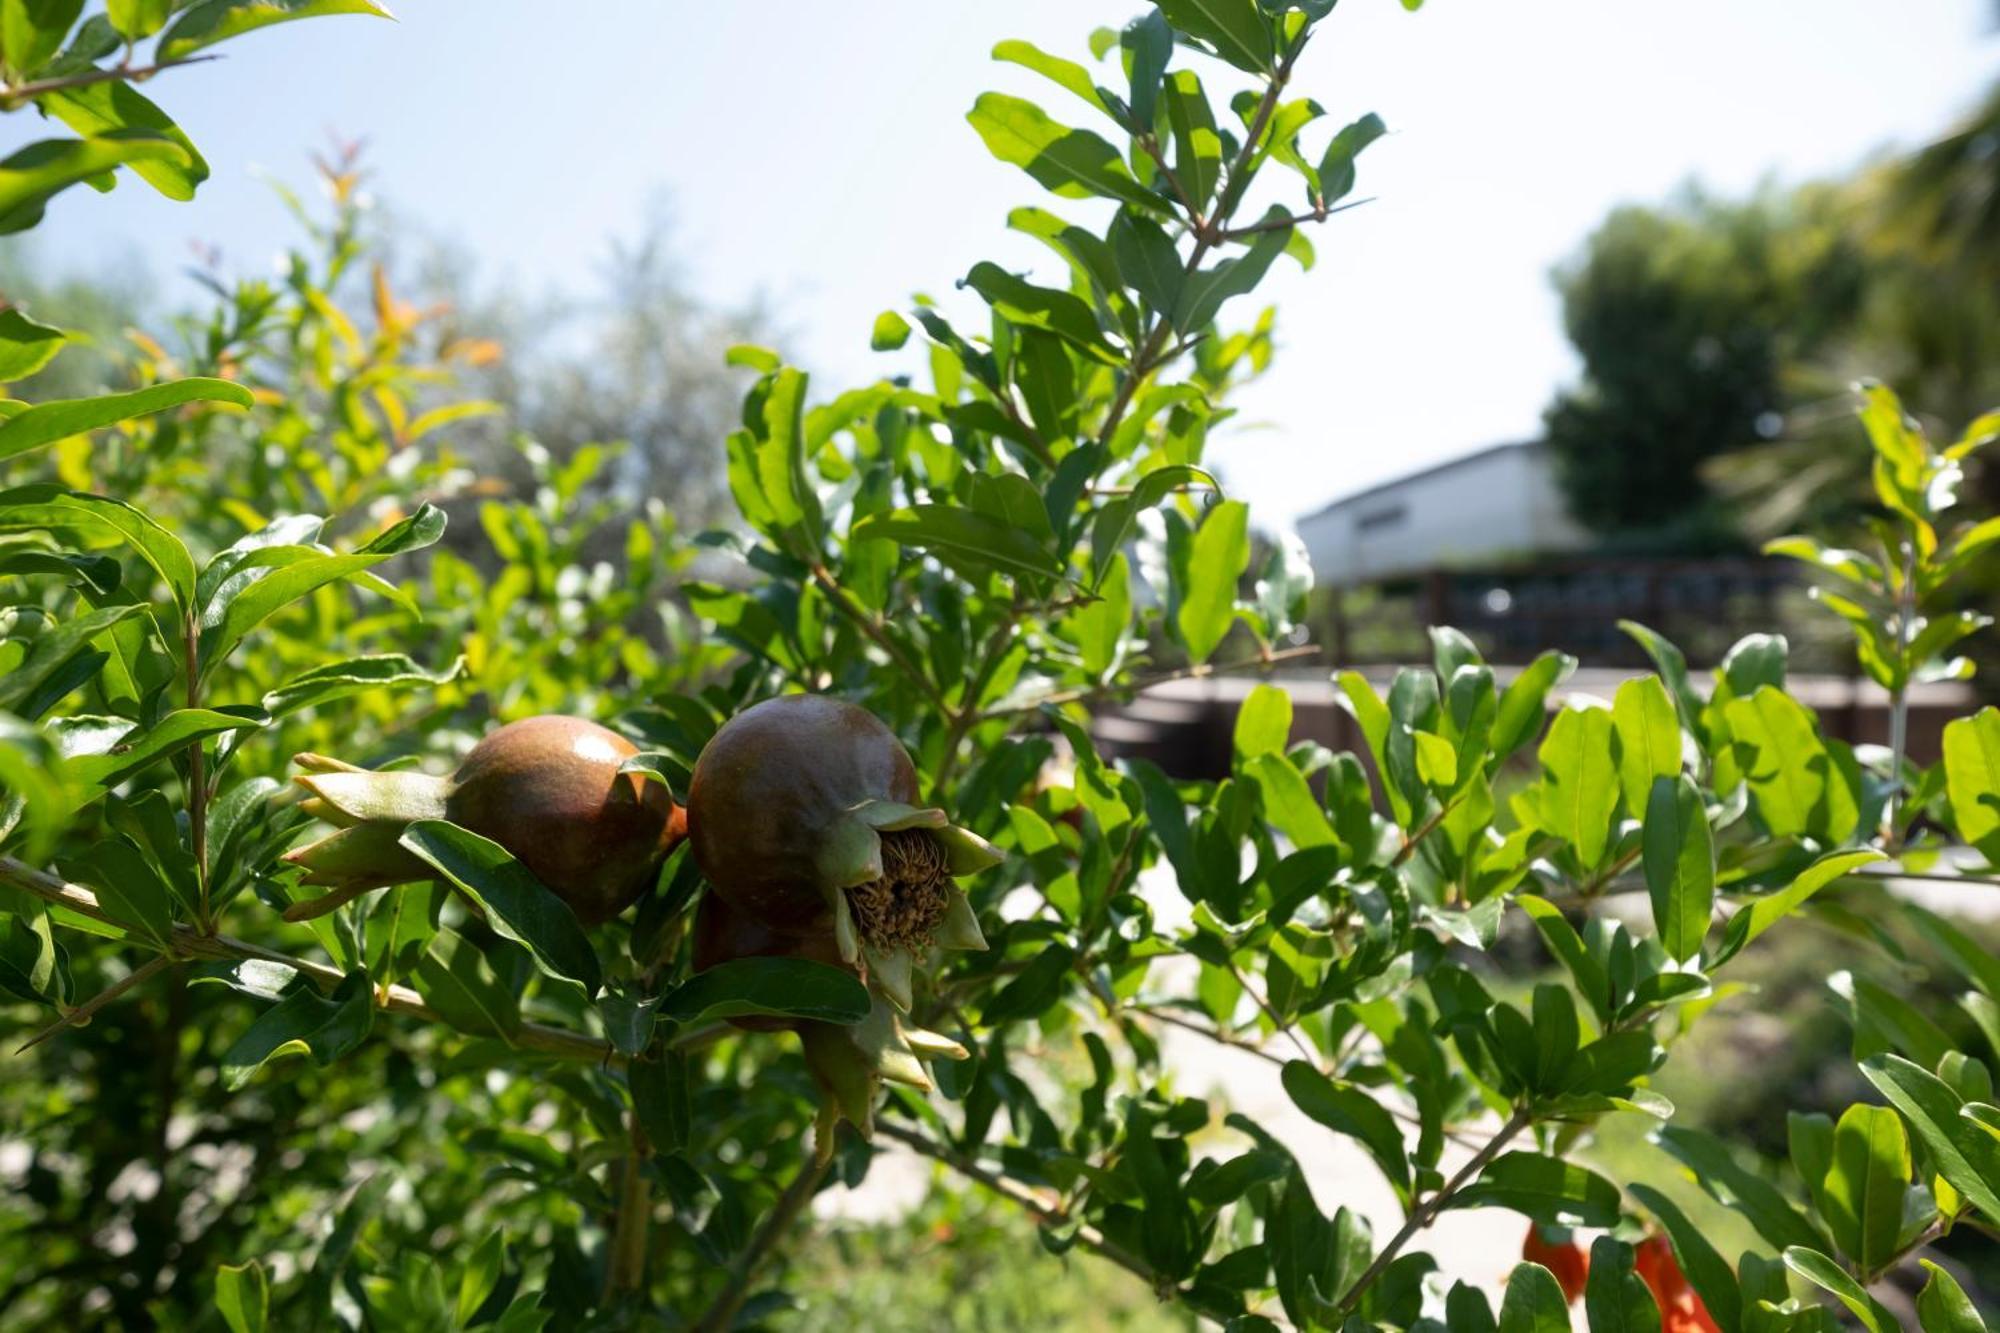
(517,904)
(1336,168)
(1347,1109)
(1204,293)
(1972,779)
(1678,849)
(1238,30)
(1073,163)
(1943,1306)
(1962,1152)
(1220,554)
(115,756)
(781,987)
(1760,914)
(207,22)
(325,1027)
(1065,73)
(1524,704)
(1148,260)
(356,675)
(1783,760)
(957,534)
(1615,1298)
(1545,1189)
(25,346)
(43,506)
(1579,782)
(1824,1273)
(31,176)
(1534,1302)
(1197,145)
(1263,723)
(100,109)
(1716,1169)
(45,423)
(243,1297)
(1648,736)
(32,31)
(1865,1183)
(891,331)
(1707,1272)
(661,1097)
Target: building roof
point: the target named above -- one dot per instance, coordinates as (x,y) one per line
(1422,474)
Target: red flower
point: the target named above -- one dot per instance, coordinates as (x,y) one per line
(1681,1311)
(1569,1263)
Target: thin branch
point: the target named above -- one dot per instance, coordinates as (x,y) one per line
(871,626)
(1429,826)
(1311,1057)
(21,92)
(81,1014)
(626,1270)
(1296,220)
(186,941)
(197,792)
(722,1314)
(1045,1212)
(1426,1212)
(1198,671)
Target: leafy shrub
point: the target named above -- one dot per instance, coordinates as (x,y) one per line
(501,1121)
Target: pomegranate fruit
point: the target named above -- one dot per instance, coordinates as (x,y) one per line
(1681,1310)
(1561,1256)
(548,789)
(848,1063)
(803,815)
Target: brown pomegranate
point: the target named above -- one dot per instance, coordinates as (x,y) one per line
(803,812)
(549,789)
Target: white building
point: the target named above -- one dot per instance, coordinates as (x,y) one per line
(1496,505)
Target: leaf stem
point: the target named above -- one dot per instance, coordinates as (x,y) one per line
(626,1271)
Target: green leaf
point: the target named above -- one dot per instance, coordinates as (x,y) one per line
(1706,1271)
(108,108)
(1263,723)
(1347,1109)
(1760,914)
(32,31)
(1038,986)
(1073,163)
(1204,293)
(116,755)
(957,534)
(1546,1189)
(1943,1306)
(45,423)
(780,987)
(1567,945)
(137,19)
(211,21)
(1221,552)
(31,176)
(1825,1273)
(243,1297)
(1788,768)
(1865,1184)
(480,1275)
(1148,261)
(1615,1298)
(25,346)
(457,981)
(660,1096)
(1726,1180)
(518,905)
(1679,853)
(1962,1152)
(1648,734)
(45,506)
(305,1022)
(1148,44)
(1238,30)
(891,331)
(1972,779)
(1524,704)
(1534,1302)
(1336,169)
(1066,73)
(1197,145)
(356,675)
(1062,313)
(1579,782)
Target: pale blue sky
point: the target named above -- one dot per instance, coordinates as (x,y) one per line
(819,153)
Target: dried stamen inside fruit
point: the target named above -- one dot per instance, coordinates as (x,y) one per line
(905,907)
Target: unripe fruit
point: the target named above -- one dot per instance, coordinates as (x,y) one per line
(802,812)
(548,789)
